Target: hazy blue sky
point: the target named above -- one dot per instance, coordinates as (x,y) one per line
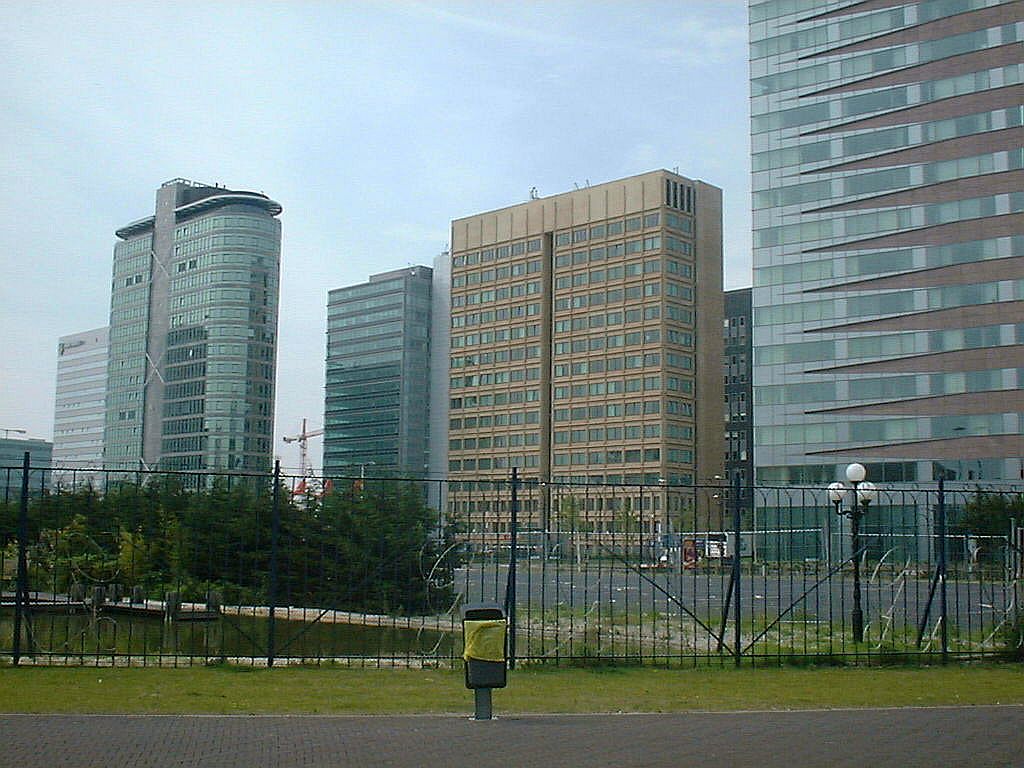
(374,124)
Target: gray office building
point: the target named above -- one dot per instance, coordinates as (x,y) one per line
(888,193)
(12,457)
(80,406)
(377,414)
(193,332)
(737,373)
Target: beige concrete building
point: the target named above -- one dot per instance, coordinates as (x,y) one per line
(586,348)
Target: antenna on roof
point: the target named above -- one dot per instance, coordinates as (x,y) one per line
(533,193)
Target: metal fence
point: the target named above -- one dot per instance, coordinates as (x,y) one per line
(153,568)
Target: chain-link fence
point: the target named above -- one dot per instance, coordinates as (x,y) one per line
(140,568)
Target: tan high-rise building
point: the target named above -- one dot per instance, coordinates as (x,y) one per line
(586,347)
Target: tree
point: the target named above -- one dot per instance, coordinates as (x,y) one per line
(989,514)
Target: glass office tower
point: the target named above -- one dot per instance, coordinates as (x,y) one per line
(376,419)
(888,195)
(193,332)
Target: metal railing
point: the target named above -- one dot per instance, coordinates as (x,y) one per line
(164,568)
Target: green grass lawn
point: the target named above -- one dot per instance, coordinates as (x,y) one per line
(233,690)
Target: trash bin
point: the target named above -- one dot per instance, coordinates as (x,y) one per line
(484,652)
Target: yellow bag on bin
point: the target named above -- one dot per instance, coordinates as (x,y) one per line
(484,640)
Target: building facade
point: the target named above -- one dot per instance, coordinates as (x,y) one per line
(377,397)
(80,406)
(888,191)
(193,333)
(12,457)
(737,377)
(586,345)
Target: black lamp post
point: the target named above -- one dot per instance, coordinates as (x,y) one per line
(863,494)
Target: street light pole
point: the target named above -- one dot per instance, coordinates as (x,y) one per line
(863,494)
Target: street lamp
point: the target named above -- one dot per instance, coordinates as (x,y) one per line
(15,430)
(864,493)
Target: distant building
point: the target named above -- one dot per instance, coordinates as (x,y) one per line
(376,414)
(888,195)
(193,333)
(12,456)
(586,347)
(440,339)
(80,407)
(738,380)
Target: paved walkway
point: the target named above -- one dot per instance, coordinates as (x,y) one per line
(978,737)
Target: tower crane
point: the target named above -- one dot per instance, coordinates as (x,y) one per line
(305,468)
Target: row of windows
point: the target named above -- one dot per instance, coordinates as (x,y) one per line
(140,245)
(486,401)
(497,356)
(222,276)
(636,269)
(128,313)
(629,293)
(491,315)
(512,440)
(608,341)
(378,329)
(335,322)
(614,456)
(610,387)
(497,273)
(612,364)
(609,229)
(211,295)
(514,418)
(613,410)
(500,252)
(885,221)
(265,243)
(501,334)
(577,258)
(873,142)
(886,345)
(879,61)
(497,294)
(528,461)
(211,223)
(605,319)
(205,315)
(890,261)
(867,24)
(499,377)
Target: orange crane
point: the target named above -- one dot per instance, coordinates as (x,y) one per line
(305,468)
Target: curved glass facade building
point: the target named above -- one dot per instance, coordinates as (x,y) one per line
(193,333)
(888,195)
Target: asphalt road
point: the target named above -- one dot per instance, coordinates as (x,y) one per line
(980,737)
(767,592)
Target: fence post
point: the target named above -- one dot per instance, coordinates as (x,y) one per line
(941,525)
(510,588)
(21,590)
(275,523)
(736,569)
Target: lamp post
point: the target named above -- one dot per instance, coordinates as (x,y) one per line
(864,493)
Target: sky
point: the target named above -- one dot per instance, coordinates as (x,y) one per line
(374,124)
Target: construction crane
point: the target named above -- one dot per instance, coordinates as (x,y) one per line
(305,468)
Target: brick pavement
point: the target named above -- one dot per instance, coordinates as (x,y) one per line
(978,737)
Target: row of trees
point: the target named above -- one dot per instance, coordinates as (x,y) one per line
(364,548)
